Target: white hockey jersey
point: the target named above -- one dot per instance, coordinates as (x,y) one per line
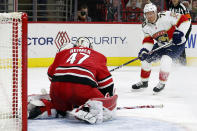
(162,30)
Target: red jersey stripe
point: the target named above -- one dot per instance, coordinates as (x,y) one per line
(148,40)
(181,20)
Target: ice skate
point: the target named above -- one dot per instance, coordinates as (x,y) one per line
(140,85)
(158,88)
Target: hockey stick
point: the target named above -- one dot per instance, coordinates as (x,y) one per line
(166,45)
(139,107)
(124,64)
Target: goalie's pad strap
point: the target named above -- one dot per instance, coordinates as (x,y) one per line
(48,106)
(109,102)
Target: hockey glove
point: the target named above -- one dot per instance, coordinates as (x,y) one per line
(91,112)
(177,37)
(143,54)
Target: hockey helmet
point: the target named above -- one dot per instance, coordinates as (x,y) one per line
(150,7)
(83,42)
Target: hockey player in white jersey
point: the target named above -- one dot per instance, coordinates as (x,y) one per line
(159,29)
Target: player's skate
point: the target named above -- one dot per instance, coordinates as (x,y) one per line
(158,88)
(139,85)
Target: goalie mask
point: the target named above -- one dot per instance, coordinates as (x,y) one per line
(84,42)
(148,8)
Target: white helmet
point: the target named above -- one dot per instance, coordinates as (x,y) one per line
(150,7)
(83,42)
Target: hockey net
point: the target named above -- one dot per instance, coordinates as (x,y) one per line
(13,71)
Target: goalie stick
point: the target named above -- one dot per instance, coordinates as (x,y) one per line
(166,45)
(143,106)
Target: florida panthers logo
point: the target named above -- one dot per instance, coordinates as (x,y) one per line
(161,36)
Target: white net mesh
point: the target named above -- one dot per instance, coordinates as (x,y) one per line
(10,72)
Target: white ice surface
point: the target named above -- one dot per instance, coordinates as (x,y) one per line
(179,100)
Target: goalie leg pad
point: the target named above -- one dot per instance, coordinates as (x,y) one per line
(109,102)
(109,106)
(108,114)
(40,106)
(91,112)
(34,112)
(48,106)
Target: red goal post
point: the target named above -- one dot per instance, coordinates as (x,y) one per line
(13,71)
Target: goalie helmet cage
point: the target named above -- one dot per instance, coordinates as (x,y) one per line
(13,71)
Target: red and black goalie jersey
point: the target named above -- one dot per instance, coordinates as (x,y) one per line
(83,66)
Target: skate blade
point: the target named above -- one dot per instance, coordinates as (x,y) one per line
(157,93)
(138,90)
